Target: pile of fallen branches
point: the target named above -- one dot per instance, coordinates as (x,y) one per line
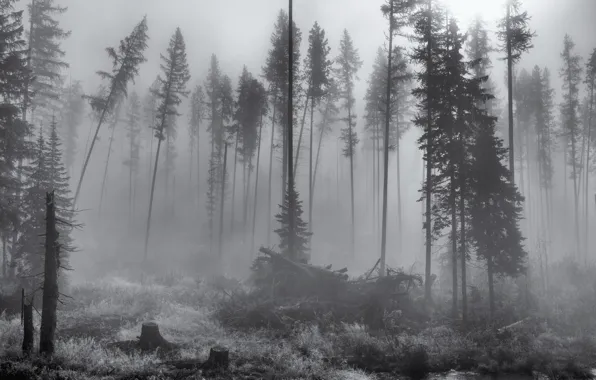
(286,292)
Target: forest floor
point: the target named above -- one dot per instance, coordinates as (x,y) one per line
(113,310)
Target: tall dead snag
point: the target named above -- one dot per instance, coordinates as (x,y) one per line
(50,282)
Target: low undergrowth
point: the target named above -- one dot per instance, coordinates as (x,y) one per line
(187,314)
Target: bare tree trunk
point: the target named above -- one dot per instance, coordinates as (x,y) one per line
(105,172)
(310,169)
(491,287)
(198,169)
(462,245)
(148,230)
(190,167)
(86,162)
(353,229)
(300,135)
(50,282)
(28,330)
(4,256)
(453,240)
(399,205)
(575,196)
(271,172)
(587,188)
(130,190)
(254,213)
(234,185)
(221,205)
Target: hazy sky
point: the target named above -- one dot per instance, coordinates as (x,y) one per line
(238,31)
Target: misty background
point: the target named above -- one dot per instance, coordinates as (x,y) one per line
(238,32)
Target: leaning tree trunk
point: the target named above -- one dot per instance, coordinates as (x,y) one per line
(148,230)
(105,172)
(50,282)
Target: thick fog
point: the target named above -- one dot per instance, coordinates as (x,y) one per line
(238,32)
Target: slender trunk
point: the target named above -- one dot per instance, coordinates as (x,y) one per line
(301,132)
(50,282)
(575,197)
(248,181)
(148,229)
(310,171)
(491,288)
(234,185)
(374,195)
(587,187)
(399,206)
(190,166)
(290,135)
(453,240)
(4,256)
(427,284)
(254,213)
(198,168)
(105,172)
(272,148)
(510,93)
(386,147)
(323,126)
(353,229)
(130,170)
(462,245)
(86,162)
(221,206)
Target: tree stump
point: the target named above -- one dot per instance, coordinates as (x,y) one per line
(219,357)
(27,329)
(150,338)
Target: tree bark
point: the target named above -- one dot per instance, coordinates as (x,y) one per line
(234,184)
(254,213)
(219,357)
(491,288)
(310,169)
(148,230)
(221,206)
(105,172)
(427,224)
(300,135)
(151,338)
(271,171)
(28,331)
(50,283)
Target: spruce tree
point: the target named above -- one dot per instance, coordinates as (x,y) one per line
(14,131)
(348,63)
(196,117)
(126,60)
(45,173)
(428,22)
(172,89)
(495,207)
(292,208)
(72,118)
(46,58)
(590,82)
(516,39)
(571,74)
(317,71)
(133,133)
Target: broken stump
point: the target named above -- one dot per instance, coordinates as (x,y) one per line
(151,338)
(27,329)
(219,357)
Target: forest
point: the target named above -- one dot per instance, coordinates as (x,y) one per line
(313,209)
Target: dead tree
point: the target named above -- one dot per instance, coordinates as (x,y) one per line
(50,282)
(28,328)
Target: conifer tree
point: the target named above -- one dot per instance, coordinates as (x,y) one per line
(45,173)
(317,70)
(276,72)
(172,89)
(72,118)
(14,131)
(292,207)
(149,117)
(495,207)
(348,63)
(125,67)
(516,39)
(197,115)
(590,82)
(571,75)
(133,133)
(46,58)
(428,22)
